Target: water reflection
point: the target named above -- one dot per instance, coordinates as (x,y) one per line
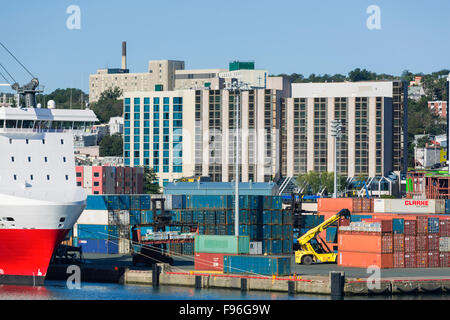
(9,292)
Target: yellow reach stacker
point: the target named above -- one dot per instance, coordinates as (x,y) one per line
(312,247)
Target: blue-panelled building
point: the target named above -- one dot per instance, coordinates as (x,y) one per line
(159,133)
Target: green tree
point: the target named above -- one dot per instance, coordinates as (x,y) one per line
(319,180)
(108,105)
(361,75)
(69,98)
(151,185)
(111,146)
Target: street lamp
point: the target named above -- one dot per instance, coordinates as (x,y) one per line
(236,86)
(336,132)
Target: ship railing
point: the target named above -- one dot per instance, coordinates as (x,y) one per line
(43,130)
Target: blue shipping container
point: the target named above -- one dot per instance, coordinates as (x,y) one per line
(447,206)
(94,202)
(145,202)
(124,202)
(433,225)
(398,226)
(178,201)
(113,247)
(93,245)
(331,234)
(92,231)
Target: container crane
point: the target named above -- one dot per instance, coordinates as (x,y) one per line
(312,247)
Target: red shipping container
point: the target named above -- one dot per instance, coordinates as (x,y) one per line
(421,259)
(354,205)
(422,224)
(365,259)
(433,259)
(410,244)
(433,242)
(343,222)
(444,228)
(399,260)
(421,242)
(444,259)
(208,261)
(399,243)
(410,260)
(410,227)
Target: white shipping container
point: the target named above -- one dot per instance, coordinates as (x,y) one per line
(93,217)
(444,244)
(406,206)
(124,246)
(255,247)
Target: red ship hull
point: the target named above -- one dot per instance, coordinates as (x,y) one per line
(26,253)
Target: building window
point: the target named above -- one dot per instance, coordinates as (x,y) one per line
(62,141)
(96,192)
(48,177)
(29,159)
(12,159)
(64,159)
(96,174)
(15,177)
(45,159)
(78,183)
(96,184)
(43,141)
(31,176)
(26,141)
(67,177)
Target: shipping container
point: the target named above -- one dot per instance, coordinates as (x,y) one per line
(365,259)
(124,202)
(399,242)
(410,260)
(444,259)
(421,242)
(421,259)
(365,242)
(92,231)
(422,224)
(331,235)
(433,259)
(433,242)
(412,206)
(354,205)
(96,202)
(444,227)
(208,261)
(93,245)
(399,259)
(444,244)
(255,247)
(222,244)
(410,244)
(257,265)
(93,217)
(398,226)
(410,227)
(433,225)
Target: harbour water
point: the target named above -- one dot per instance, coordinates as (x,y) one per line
(58,290)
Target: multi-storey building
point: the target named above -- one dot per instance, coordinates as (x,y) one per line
(373,117)
(110,180)
(183,133)
(439,108)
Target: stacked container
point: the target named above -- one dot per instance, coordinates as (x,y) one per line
(366,243)
(209,250)
(261,218)
(327,207)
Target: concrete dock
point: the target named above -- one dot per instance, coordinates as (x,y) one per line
(313,279)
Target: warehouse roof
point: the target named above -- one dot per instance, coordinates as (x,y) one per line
(221,188)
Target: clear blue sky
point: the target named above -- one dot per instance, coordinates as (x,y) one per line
(283,36)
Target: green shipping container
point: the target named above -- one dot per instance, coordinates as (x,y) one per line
(222,244)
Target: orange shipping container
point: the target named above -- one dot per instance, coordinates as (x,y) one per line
(365,259)
(354,205)
(369,242)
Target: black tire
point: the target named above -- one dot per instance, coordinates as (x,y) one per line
(307,260)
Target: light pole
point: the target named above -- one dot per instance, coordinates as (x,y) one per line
(336,132)
(236,87)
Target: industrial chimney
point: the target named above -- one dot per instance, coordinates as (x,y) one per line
(124,55)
